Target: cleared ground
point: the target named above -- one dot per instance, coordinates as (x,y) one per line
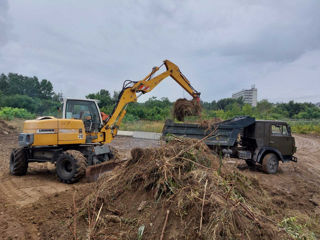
(30,202)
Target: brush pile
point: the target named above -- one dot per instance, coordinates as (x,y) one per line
(210,124)
(178,191)
(183,107)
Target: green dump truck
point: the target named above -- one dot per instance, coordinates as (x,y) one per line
(264,142)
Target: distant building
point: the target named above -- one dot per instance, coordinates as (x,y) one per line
(249,95)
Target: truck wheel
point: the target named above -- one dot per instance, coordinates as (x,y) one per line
(18,162)
(270,163)
(71,166)
(250,163)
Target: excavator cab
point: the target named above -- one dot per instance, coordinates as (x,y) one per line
(86,110)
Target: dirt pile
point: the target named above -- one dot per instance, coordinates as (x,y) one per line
(5,128)
(177,191)
(183,107)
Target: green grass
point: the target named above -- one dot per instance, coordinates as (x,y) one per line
(305,127)
(296,230)
(143,125)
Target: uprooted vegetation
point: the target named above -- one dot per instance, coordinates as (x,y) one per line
(178,191)
(183,108)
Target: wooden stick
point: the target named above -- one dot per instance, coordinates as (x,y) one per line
(164,225)
(204,195)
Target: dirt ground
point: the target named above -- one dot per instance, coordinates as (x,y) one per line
(29,203)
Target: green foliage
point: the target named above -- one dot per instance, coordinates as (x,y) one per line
(226,103)
(103,96)
(305,126)
(8,113)
(37,97)
(153,109)
(265,110)
(22,85)
(296,230)
(28,93)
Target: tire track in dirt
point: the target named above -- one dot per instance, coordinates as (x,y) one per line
(309,154)
(18,195)
(28,189)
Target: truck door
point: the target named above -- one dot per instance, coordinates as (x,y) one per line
(281,139)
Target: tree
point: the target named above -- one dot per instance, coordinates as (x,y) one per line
(103,96)
(225,102)
(46,89)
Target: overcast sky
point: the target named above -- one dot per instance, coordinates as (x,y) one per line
(221,46)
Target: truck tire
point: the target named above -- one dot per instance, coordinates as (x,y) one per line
(71,166)
(270,163)
(18,162)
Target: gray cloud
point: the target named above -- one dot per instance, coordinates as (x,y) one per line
(4,7)
(222,46)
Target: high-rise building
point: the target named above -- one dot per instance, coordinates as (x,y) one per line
(248,95)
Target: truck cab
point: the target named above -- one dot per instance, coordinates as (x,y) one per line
(269,142)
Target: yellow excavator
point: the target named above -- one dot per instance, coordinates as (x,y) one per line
(79,140)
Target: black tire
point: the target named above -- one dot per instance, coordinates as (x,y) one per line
(250,163)
(270,163)
(18,162)
(71,166)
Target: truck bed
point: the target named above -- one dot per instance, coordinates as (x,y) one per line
(224,134)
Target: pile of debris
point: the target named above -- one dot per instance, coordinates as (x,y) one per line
(5,128)
(178,191)
(183,107)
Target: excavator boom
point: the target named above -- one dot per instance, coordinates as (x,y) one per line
(130,92)
(131,89)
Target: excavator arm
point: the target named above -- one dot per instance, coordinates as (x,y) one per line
(132,90)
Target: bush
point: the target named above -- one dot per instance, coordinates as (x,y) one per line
(8,113)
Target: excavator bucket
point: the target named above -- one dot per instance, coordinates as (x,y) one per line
(93,172)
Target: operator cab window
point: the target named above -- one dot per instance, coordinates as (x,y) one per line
(279,130)
(85,111)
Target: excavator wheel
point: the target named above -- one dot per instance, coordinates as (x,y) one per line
(18,162)
(71,166)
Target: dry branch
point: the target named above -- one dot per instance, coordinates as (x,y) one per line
(164,225)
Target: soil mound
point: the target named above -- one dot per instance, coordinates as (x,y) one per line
(178,191)
(184,107)
(5,129)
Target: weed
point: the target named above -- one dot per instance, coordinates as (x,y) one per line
(296,230)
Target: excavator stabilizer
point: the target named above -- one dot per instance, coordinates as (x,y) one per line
(93,172)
